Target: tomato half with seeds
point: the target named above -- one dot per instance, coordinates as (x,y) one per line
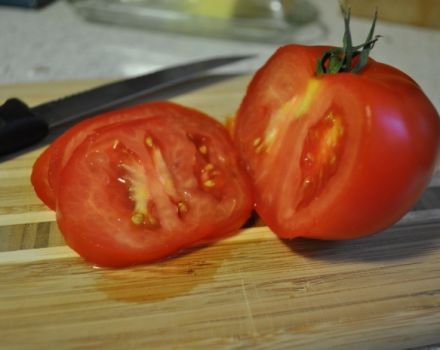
(335,155)
(138,191)
(47,168)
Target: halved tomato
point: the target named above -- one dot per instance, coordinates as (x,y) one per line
(335,155)
(138,191)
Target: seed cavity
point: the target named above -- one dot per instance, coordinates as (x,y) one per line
(323,146)
(208,173)
(137,183)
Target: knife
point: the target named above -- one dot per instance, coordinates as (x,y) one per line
(21,126)
(26,3)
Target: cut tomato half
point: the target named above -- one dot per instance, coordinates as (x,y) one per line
(139,191)
(334,156)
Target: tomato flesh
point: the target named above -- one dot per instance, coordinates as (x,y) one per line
(139,191)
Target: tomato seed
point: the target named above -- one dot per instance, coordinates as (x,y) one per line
(307,182)
(182,208)
(208,167)
(151,220)
(209,183)
(149,141)
(137,218)
(203,149)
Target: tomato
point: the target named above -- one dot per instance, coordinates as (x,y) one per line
(334,156)
(62,148)
(137,191)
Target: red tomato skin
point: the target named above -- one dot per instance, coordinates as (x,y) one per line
(391,142)
(90,225)
(40,178)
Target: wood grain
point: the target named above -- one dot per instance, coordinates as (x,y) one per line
(250,291)
(257,292)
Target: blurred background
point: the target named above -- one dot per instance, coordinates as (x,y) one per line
(87,39)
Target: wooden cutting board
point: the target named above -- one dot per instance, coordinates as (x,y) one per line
(249,291)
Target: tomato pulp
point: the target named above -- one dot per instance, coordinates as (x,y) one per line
(137,191)
(334,156)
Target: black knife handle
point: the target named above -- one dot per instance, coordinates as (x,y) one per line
(19,127)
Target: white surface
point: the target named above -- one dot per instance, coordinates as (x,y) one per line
(54,43)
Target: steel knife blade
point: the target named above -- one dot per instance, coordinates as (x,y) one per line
(21,126)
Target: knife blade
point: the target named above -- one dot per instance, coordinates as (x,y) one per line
(21,126)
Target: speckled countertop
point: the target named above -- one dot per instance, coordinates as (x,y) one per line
(55,43)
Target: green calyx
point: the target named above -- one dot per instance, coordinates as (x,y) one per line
(342,59)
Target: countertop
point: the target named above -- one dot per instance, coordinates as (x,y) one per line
(55,43)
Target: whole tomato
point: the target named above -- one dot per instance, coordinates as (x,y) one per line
(338,145)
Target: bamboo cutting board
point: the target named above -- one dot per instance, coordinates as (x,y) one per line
(248,291)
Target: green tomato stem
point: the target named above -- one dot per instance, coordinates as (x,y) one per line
(341,59)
